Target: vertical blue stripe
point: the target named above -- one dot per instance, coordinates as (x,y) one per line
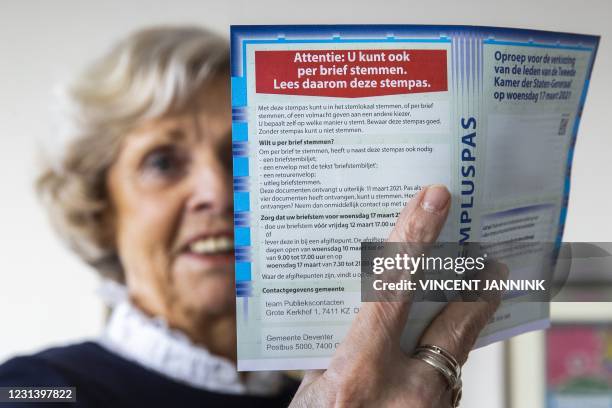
(241,166)
(242,236)
(240,132)
(241,202)
(239,91)
(243,271)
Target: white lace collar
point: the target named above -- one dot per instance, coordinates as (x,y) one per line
(152,344)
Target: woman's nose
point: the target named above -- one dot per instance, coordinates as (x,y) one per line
(211,185)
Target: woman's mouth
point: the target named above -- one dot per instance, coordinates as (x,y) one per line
(211,249)
(211,245)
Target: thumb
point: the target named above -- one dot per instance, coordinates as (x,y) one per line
(379,324)
(422,219)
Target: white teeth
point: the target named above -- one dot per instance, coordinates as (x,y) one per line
(212,245)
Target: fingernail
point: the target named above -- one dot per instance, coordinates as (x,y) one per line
(435,199)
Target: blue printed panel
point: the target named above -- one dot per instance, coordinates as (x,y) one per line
(240,149)
(239,91)
(240,132)
(241,184)
(241,166)
(243,254)
(241,219)
(239,114)
(243,271)
(241,202)
(244,289)
(242,236)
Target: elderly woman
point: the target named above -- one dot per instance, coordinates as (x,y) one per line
(142,192)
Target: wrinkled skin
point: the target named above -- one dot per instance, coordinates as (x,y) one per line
(369,369)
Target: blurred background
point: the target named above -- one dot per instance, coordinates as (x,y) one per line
(47,297)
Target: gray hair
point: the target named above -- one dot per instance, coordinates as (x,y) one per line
(151,73)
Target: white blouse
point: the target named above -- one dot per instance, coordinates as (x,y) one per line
(151,343)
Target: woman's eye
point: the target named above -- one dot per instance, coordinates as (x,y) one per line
(165,162)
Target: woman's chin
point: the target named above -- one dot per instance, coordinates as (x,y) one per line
(208,291)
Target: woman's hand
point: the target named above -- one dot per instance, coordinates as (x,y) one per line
(369,368)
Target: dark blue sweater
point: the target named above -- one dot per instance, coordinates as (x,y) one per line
(103,379)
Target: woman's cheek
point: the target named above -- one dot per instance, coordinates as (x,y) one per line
(147,253)
(157,231)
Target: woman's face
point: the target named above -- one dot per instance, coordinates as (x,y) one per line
(171,191)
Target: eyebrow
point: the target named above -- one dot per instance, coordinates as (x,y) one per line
(176,135)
